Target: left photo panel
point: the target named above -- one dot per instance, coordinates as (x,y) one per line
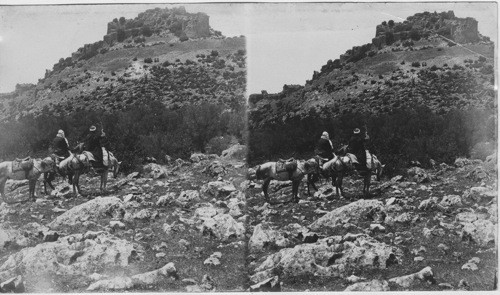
(123,148)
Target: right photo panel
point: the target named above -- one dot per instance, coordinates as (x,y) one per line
(372,146)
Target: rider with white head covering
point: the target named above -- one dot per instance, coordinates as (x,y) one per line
(324,148)
(60,145)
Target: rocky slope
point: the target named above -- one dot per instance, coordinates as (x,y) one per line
(167,55)
(433,229)
(432,59)
(175,227)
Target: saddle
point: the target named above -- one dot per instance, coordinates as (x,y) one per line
(25,165)
(288,165)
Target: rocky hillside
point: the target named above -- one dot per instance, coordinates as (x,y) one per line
(432,59)
(167,55)
(175,227)
(425,230)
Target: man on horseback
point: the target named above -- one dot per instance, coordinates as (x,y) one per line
(324,148)
(60,145)
(357,146)
(97,143)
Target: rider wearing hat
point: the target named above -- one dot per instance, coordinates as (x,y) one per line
(324,148)
(95,142)
(358,147)
(60,145)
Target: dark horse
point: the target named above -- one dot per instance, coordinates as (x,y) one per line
(268,172)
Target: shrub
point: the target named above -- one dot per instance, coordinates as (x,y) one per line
(148,60)
(146,31)
(415,64)
(120,35)
(214,53)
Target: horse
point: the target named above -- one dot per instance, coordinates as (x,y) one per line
(377,169)
(80,162)
(39,166)
(336,168)
(268,172)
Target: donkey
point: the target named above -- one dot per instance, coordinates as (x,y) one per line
(268,172)
(38,167)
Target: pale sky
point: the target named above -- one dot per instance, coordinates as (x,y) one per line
(285,42)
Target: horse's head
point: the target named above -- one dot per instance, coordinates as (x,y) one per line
(252,173)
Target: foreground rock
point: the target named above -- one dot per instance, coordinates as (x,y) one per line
(90,211)
(329,257)
(371,286)
(167,272)
(155,171)
(75,255)
(223,227)
(353,211)
(425,275)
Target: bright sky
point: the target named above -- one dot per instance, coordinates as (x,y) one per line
(286,42)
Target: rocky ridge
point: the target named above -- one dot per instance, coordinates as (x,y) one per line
(414,62)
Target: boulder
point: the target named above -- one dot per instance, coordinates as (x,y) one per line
(424,275)
(418,175)
(13,285)
(479,193)
(118,283)
(263,235)
(218,189)
(451,201)
(167,272)
(188,196)
(353,211)
(224,227)
(62,190)
(165,199)
(329,257)
(462,162)
(237,152)
(325,192)
(75,255)
(371,286)
(92,210)
(215,169)
(155,171)
(198,157)
(268,285)
(478,174)
(235,206)
(482,232)
(428,204)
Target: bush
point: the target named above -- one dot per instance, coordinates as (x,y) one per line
(415,64)
(214,53)
(146,31)
(120,35)
(148,60)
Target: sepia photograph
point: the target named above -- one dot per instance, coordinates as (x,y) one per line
(248,147)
